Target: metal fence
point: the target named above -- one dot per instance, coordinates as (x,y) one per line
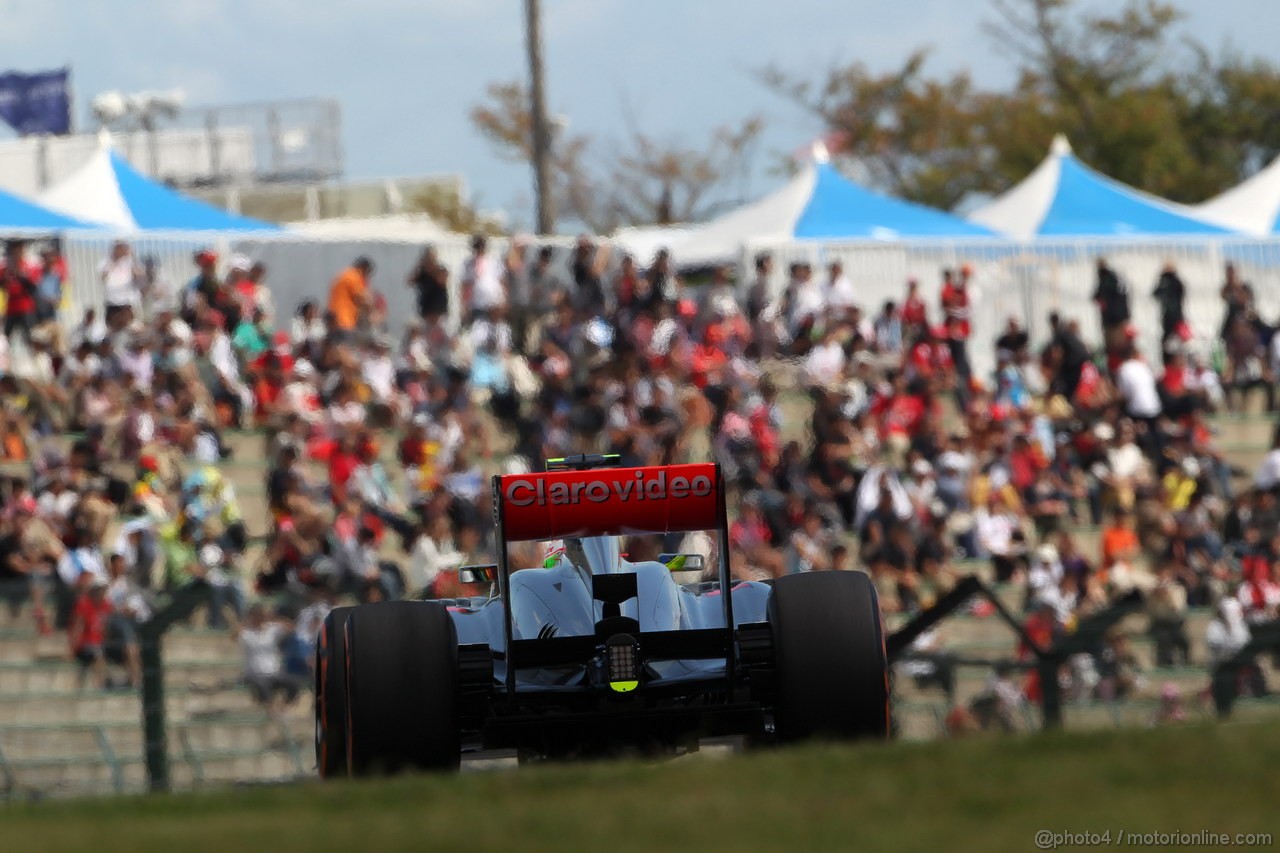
(1029,280)
(1010,279)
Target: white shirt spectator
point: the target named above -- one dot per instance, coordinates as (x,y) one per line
(223,358)
(1202,379)
(352,414)
(119,281)
(123,546)
(994,531)
(262,649)
(93,333)
(127,599)
(80,561)
(1137,384)
(380,373)
(140,367)
(178,330)
(868,496)
(1044,580)
(840,295)
(808,302)
(1227,633)
(79,368)
(1126,460)
(35,367)
(428,559)
(303,332)
(825,363)
(60,506)
(485,276)
(494,337)
(1269,471)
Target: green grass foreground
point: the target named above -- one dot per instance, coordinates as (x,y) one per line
(986,794)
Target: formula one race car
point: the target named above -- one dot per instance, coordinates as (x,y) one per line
(593,654)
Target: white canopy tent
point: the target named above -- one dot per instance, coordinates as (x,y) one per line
(1252,207)
(771,219)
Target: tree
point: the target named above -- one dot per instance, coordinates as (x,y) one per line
(1167,117)
(641,181)
(446,206)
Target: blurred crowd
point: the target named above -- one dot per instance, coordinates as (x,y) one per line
(854,436)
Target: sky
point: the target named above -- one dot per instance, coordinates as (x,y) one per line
(408,72)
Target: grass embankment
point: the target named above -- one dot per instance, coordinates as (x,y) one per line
(989,794)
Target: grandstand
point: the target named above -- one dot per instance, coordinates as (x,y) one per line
(58,739)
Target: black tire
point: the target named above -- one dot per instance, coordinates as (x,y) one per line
(402,689)
(828,643)
(331,695)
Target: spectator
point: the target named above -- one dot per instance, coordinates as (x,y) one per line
(955,311)
(88,630)
(1137,385)
(1112,298)
(760,290)
(1167,607)
(121,278)
(129,608)
(21,288)
(1235,296)
(261,639)
(431,556)
(1170,293)
(350,299)
(482,286)
(839,294)
(430,282)
(888,330)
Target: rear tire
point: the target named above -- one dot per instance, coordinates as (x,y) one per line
(331,695)
(828,640)
(402,689)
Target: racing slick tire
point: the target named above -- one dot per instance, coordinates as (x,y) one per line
(331,695)
(402,689)
(829,653)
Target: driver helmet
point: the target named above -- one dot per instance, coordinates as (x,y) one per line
(551,552)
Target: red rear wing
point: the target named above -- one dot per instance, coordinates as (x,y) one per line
(609,501)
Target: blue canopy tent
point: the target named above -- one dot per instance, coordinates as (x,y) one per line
(19,217)
(819,204)
(1062,197)
(109,191)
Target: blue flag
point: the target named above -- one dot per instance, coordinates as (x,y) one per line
(37,103)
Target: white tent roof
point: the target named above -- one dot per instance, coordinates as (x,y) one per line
(92,193)
(1021,209)
(772,218)
(1252,207)
(643,242)
(108,191)
(1062,197)
(400,227)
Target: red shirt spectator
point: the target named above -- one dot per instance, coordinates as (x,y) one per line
(955,308)
(749,531)
(1174,379)
(20,289)
(902,415)
(914,312)
(1025,463)
(343,462)
(89,621)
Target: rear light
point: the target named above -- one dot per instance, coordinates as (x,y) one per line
(622,663)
